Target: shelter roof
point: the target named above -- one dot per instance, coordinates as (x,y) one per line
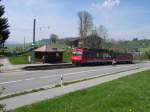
(47,48)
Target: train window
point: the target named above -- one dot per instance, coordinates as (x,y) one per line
(77,53)
(93,54)
(106,55)
(99,55)
(89,54)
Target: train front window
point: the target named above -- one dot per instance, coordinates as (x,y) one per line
(77,53)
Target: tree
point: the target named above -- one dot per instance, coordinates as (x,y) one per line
(103,33)
(85,25)
(4,31)
(53,38)
(93,41)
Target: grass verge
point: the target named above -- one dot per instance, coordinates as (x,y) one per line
(128,94)
(20,59)
(67,55)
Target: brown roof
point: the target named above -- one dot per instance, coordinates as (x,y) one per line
(47,48)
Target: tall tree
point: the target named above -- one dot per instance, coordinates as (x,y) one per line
(103,33)
(85,25)
(53,38)
(93,41)
(4,31)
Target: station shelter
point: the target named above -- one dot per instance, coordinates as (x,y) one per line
(48,54)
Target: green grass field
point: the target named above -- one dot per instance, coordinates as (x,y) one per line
(20,59)
(128,94)
(145,49)
(67,55)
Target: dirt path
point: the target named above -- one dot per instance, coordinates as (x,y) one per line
(6,63)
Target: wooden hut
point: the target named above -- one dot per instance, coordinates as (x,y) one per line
(49,54)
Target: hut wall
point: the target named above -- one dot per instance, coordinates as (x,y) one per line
(50,57)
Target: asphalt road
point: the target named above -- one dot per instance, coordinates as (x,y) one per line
(26,80)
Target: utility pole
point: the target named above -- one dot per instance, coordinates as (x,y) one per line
(33,43)
(24,43)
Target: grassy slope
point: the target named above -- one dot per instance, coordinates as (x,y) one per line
(129,94)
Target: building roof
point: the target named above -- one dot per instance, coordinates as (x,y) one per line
(47,48)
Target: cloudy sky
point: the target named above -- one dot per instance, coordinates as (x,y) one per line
(124,19)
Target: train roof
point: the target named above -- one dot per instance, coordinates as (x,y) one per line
(88,49)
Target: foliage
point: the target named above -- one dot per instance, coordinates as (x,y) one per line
(148,54)
(53,38)
(4,31)
(85,24)
(134,45)
(67,55)
(102,33)
(93,41)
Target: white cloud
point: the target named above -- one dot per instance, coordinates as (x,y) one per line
(96,6)
(111,3)
(107,4)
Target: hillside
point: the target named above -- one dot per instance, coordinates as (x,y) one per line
(140,45)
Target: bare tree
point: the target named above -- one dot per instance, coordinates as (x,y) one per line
(103,33)
(93,41)
(85,25)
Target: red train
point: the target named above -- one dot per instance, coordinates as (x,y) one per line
(84,56)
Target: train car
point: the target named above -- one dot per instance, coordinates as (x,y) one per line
(82,56)
(85,56)
(124,58)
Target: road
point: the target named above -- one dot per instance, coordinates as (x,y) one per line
(26,80)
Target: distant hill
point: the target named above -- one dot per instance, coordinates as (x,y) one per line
(131,45)
(141,45)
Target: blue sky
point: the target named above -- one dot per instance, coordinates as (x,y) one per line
(124,19)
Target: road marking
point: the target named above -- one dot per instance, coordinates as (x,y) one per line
(45,77)
(11,82)
(30,79)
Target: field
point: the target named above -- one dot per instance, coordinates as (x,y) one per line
(19,60)
(145,49)
(128,94)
